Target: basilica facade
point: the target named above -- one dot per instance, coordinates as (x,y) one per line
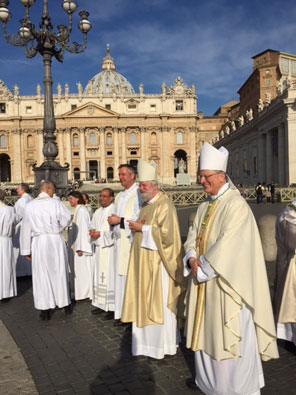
(103,125)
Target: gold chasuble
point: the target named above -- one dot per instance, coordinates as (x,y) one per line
(225,233)
(143,291)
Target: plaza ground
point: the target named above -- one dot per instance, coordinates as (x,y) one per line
(86,354)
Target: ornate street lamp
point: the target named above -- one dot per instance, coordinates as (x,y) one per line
(48,44)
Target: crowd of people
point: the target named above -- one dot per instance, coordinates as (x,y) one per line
(126,258)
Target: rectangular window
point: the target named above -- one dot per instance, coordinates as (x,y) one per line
(73,106)
(267,82)
(293,67)
(109,153)
(108,106)
(132,107)
(179,105)
(28,110)
(153,107)
(75,153)
(284,65)
(2,108)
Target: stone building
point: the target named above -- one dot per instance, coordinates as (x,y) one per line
(104,125)
(262,140)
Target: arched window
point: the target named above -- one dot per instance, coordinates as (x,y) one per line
(179,138)
(92,139)
(133,138)
(110,173)
(75,140)
(3,141)
(109,139)
(30,141)
(153,138)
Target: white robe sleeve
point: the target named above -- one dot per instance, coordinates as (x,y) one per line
(64,217)
(25,236)
(105,239)
(147,239)
(204,273)
(82,242)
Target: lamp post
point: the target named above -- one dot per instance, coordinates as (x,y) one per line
(48,44)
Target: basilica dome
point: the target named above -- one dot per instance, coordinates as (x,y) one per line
(108,80)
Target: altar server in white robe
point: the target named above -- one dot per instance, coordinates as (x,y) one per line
(7,262)
(229,320)
(79,248)
(41,241)
(155,274)
(127,207)
(285,281)
(103,254)
(23,265)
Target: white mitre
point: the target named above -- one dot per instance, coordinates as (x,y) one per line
(212,158)
(146,171)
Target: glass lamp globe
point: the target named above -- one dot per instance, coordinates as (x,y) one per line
(4,14)
(25,33)
(69,6)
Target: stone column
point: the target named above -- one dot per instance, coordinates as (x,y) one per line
(61,146)
(281,135)
(102,154)
(261,159)
(269,172)
(166,178)
(82,153)
(116,151)
(142,143)
(123,145)
(40,156)
(69,150)
(192,165)
(291,151)
(18,170)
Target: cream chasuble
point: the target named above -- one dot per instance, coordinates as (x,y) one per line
(229,319)
(127,205)
(285,284)
(143,296)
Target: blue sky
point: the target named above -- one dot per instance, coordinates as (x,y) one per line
(209,43)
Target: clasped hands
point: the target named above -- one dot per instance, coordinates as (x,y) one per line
(93,234)
(194,263)
(136,226)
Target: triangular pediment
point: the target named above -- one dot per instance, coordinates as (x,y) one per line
(90,110)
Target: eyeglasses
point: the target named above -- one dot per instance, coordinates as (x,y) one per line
(206,177)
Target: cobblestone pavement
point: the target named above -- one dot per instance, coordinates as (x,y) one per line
(86,354)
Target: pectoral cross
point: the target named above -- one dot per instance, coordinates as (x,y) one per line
(102,277)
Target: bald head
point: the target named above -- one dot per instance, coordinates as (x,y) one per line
(47,187)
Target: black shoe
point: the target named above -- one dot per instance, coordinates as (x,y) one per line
(108,317)
(45,315)
(48,315)
(97,311)
(192,385)
(118,323)
(68,309)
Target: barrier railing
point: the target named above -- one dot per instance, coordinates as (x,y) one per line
(187,197)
